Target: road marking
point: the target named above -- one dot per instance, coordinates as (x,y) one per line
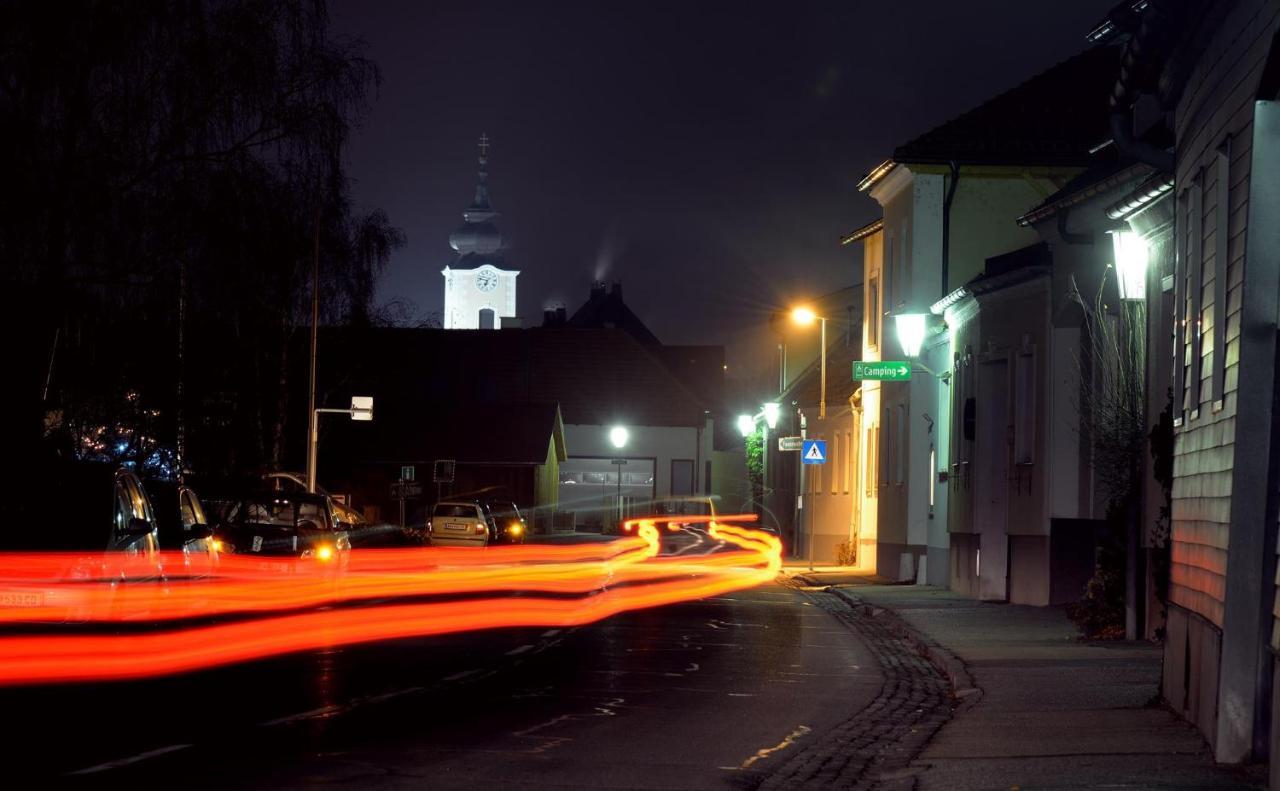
(693,667)
(551,633)
(782,745)
(133,759)
(323,711)
(520,650)
(742,694)
(460,676)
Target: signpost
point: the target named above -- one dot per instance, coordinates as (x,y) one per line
(788,444)
(443,472)
(881,370)
(404,490)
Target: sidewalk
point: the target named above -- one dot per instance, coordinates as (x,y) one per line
(1040,709)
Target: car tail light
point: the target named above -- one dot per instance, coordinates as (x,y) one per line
(480,529)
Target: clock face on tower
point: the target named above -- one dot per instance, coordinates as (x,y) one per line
(486,280)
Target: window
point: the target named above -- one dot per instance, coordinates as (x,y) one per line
(902,444)
(1195,289)
(873,313)
(933,475)
(1024,408)
(834,461)
(886,443)
(456,510)
(1221,260)
(869,469)
(848,459)
(1179,311)
(890,283)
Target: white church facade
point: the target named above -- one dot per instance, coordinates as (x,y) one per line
(479,291)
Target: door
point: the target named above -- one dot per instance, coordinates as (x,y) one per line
(488,319)
(990,474)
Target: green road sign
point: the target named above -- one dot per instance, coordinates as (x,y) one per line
(881,370)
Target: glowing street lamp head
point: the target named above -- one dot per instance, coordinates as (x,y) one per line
(771,412)
(803,316)
(911,330)
(746,425)
(619,436)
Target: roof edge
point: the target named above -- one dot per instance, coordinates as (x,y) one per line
(870,228)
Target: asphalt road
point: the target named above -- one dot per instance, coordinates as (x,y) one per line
(707,694)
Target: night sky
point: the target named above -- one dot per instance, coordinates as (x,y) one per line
(705,155)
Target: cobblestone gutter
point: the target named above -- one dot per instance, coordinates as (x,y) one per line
(924,685)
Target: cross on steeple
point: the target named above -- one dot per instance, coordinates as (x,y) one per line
(484,146)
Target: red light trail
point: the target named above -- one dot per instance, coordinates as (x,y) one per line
(375,587)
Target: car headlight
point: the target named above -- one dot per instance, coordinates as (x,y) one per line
(223,547)
(515,528)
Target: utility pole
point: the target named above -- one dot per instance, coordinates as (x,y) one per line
(313,429)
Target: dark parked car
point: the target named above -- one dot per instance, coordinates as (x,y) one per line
(285,525)
(79,506)
(184,526)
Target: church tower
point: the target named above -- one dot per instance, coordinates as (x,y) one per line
(478,291)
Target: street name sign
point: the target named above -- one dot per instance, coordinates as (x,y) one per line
(881,370)
(401,490)
(814,451)
(786,444)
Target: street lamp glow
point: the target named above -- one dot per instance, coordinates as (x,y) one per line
(771,411)
(619,436)
(1131,264)
(746,425)
(911,330)
(803,316)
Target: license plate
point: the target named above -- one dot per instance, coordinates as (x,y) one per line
(451,526)
(274,567)
(21,599)
(257,543)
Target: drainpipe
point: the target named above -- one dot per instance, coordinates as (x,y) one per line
(946,225)
(1141,54)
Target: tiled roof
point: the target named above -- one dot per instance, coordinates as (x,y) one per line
(1054,118)
(468,433)
(607,310)
(597,376)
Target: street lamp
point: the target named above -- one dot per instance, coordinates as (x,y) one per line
(1131,264)
(771,412)
(804,317)
(746,425)
(361,409)
(619,435)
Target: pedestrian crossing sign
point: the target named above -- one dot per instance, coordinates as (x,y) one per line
(814,451)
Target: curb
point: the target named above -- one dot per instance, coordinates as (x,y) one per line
(963,689)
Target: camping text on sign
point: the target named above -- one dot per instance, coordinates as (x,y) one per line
(814,451)
(883,370)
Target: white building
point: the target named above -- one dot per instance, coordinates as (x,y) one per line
(478,291)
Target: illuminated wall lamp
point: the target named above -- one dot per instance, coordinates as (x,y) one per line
(911,331)
(1132,255)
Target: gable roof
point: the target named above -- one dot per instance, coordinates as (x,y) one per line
(1051,119)
(520,434)
(607,310)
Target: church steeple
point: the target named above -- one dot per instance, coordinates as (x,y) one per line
(478,234)
(479,290)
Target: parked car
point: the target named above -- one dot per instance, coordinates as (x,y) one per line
(476,522)
(183,526)
(285,526)
(297,482)
(73,505)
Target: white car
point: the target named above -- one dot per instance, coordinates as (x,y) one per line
(475,523)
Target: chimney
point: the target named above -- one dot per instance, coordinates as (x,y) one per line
(548,316)
(598,290)
(562,315)
(616,291)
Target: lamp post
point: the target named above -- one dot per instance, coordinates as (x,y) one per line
(619,436)
(804,317)
(361,409)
